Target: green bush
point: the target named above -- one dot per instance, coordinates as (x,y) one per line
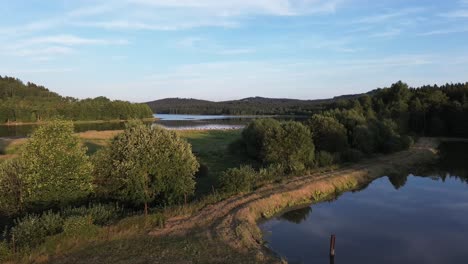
(80,226)
(5,251)
(236,180)
(52,223)
(324,159)
(102,214)
(28,232)
(273,171)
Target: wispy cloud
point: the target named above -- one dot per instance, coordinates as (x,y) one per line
(444,31)
(456,14)
(384,17)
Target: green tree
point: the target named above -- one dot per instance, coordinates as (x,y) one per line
(56,168)
(144,164)
(272,142)
(328,134)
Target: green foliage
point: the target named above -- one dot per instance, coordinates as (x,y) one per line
(31,230)
(80,226)
(144,164)
(101,214)
(324,159)
(5,251)
(21,102)
(56,169)
(236,180)
(272,142)
(11,187)
(328,134)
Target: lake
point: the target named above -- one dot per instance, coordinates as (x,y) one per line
(395,219)
(169,121)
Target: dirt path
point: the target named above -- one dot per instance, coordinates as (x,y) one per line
(234,220)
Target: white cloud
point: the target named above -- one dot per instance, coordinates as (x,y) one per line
(444,31)
(392,32)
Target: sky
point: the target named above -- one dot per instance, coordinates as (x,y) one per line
(141,50)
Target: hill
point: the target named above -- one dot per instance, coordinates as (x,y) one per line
(245,106)
(20,102)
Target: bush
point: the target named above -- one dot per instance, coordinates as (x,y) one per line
(28,232)
(324,159)
(272,142)
(5,252)
(102,214)
(351,155)
(273,171)
(79,226)
(236,180)
(52,223)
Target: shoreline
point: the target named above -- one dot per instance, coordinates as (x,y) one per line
(234,221)
(77,122)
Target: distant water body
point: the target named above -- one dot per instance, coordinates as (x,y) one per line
(169,121)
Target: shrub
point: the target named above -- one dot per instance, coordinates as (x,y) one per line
(273,171)
(52,223)
(324,159)
(5,252)
(28,232)
(79,226)
(237,180)
(102,214)
(32,230)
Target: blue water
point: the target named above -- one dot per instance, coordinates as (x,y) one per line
(172,117)
(398,219)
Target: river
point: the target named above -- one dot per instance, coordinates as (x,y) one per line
(401,218)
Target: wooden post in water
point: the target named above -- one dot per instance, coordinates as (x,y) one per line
(332,246)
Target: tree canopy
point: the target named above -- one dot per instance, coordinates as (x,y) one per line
(144,165)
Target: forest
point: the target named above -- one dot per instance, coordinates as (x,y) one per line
(24,103)
(246,106)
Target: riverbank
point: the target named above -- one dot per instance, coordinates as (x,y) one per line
(227,231)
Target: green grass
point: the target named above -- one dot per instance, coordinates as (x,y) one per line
(211,149)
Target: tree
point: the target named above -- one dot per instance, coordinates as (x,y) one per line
(144,164)
(328,134)
(272,142)
(56,169)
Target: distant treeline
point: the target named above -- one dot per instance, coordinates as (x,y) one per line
(29,102)
(246,106)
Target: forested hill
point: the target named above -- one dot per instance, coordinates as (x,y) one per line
(246,106)
(20,102)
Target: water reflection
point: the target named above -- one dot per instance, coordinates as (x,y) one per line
(401,218)
(297,216)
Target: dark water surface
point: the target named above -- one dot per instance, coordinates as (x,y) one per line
(397,219)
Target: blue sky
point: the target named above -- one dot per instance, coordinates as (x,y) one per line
(140,50)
